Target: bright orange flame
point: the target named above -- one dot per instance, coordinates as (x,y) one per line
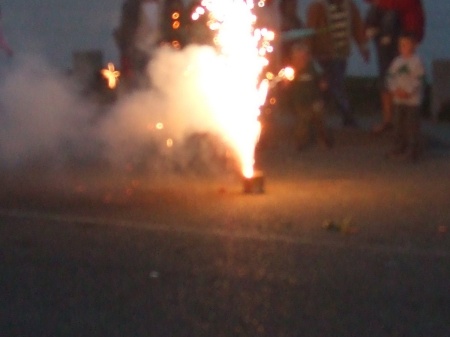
(112,75)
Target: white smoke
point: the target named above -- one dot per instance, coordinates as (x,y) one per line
(44,118)
(40,114)
(178,101)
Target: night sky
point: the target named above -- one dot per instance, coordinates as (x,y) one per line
(55,28)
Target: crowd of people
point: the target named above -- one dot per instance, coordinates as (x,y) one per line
(317,48)
(395,27)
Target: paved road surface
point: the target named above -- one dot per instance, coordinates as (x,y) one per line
(87,254)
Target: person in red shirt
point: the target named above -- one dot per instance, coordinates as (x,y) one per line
(412,16)
(411,19)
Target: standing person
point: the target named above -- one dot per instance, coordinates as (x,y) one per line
(306,98)
(411,13)
(3,43)
(386,19)
(406,83)
(338,23)
(289,21)
(136,37)
(383,27)
(174,23)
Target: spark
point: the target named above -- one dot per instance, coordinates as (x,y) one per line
(112,75)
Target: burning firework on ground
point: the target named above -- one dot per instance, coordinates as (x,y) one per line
(242,52)
(216,88)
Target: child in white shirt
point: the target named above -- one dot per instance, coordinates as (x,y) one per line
(405,80)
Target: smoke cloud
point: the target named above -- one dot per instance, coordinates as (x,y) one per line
(46,121)
(40,115)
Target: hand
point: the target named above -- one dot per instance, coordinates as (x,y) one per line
(385,40)
(371,32)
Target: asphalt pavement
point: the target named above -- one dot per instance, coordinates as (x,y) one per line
(341,243)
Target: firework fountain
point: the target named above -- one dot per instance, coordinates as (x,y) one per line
(242,58)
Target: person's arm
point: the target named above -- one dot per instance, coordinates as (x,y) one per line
(358,32)
(313,15)
(312,21)
(372,22)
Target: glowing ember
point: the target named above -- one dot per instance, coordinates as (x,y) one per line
(235,98)
(287,73)
(176,44)
(112,75)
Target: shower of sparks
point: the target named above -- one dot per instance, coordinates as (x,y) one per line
(236,93)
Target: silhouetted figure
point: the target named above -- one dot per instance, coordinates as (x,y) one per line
(337,23)
(306,98)
(3,43)
(410,17)
(289,21)
(174,23)
(405,80)
(136,37)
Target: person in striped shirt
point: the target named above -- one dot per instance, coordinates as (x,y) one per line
(338,24)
